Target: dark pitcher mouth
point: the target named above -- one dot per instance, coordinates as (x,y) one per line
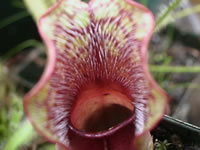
(101,110)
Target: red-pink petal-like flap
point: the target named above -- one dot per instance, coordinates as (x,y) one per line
(81,37)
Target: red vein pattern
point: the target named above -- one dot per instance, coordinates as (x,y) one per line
(99,44)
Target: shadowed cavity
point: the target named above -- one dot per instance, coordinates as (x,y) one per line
(106,117)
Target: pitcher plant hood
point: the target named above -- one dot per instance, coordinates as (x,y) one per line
(96,92)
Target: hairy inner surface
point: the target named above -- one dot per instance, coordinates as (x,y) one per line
(104,52)
(99,108)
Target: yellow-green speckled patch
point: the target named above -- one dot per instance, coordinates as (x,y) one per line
(60,42)
(38,111)
(109,10)
(82,19)
(144,22)
(79,42)
(156,108)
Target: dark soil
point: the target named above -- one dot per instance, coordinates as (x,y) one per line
(179,136)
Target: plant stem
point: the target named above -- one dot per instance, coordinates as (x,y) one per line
(180,14)
(166,12)
(186,12)
(175,69)
(24,134)
(13,18)
(20,47)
